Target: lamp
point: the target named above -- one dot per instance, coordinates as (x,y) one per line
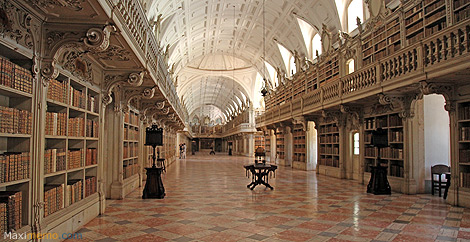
(154,138)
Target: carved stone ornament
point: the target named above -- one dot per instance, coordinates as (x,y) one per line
(377,12)
(36,225)
(75,5)
(165,110)
(131,94)
(402,103)
(114,53)
(333,116)
(111,81)
(326,40)
(97,39)
(300,120)
(19,25)
(59,42)
(353,116)
(73,60)
(445,90)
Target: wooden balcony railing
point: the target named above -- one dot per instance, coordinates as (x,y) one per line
(407,66)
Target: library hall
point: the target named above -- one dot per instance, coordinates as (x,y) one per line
(234,120)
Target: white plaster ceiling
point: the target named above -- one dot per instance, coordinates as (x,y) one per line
(215,43)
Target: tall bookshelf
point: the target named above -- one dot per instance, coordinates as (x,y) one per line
(299,144)
(260,141)
(267,145)
(328,70)
(461,10)
(425,18)
(16,94)
(464,145)
(329,145)
(391,156)
(280,144)
(130,161)
(311,82)
(71,142)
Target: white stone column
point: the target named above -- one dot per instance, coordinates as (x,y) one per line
(311,145)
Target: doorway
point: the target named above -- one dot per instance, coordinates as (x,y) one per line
(436,136)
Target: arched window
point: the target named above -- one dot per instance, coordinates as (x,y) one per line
(355,10)
(316,46)
(350,66)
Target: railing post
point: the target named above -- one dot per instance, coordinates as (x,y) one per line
(378,73)
(321,95)
(340,88)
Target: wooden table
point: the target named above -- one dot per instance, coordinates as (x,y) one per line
(259,174)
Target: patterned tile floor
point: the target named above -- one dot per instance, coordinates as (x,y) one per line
(207,200)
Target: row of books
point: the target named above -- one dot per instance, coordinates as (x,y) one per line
(77,98)
(130,150)
(15,76)
(92,128)
(464,133)
(131,118)
(56,123)
(375,123)
(434,29)
(53,198)
(54,160)
(396,136)
(90,185)
(464,179)
(91,156)
(464,113)
(329,150)
(301,140)
(299,157)
(370,152)
(299,150)
(434,6)
(396,170)
(15,121)
(328,161)
(14,166)
(131,134)
(74,190)
(74,158)
(57,91)
(391,153)
(329,139)
(329,129)
(11,211)
(464,155)
(130,170)
(93,104)
(458,3)
(76,127)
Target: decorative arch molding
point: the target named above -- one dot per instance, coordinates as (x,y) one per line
(113,81)
(58,41)
(446,90)
(405,104)
(354,115)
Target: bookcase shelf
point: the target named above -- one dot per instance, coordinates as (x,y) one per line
(461,10)
(299,144)
(391,155)
(71,142)
(280,144)
(16,114)
(329,145)
(260,141)
(464,143)
(130,144)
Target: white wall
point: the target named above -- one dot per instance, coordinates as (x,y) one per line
(436,133)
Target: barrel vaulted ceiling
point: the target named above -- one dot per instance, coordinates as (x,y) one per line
(216,46)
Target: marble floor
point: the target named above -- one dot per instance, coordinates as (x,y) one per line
(207,200)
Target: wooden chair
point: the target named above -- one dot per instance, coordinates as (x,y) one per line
(437,171)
